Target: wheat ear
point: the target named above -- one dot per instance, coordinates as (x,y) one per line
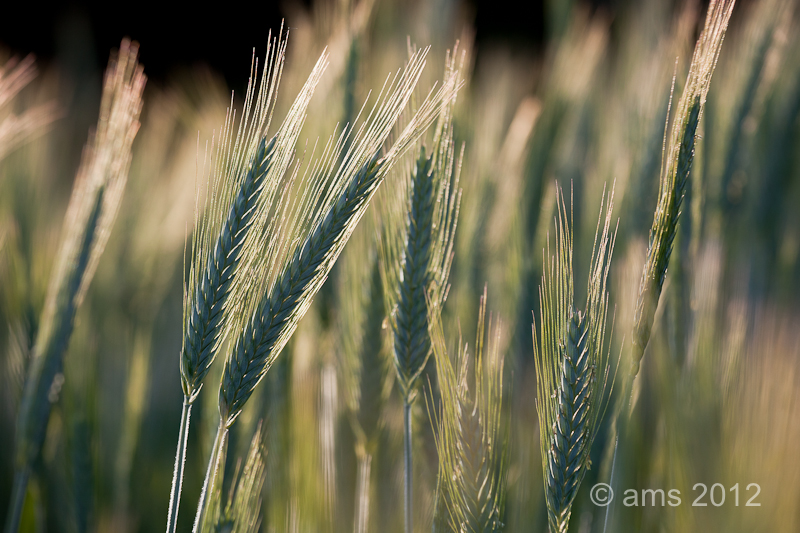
(470,437)
(417,249)
(305,235)
(677,158)
(571,365)
(16,129)
(675,171)
(246,175)
(90,215)
(363,361)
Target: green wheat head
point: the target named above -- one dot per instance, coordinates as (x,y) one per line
(363,359)
(676,166)
(417,249)
(471,438)
(571,365)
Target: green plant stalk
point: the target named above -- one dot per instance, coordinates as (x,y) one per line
(363,493)
(177,473)
(412,341)
(408,472)
(215,462)
(248,193)
(673,182)
(21,477)
(361,356)
(423,270)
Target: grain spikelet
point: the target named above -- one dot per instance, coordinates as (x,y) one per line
(571,365)
(471,438)
(417,250)
(677,163)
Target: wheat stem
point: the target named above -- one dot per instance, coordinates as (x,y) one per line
(416,257)
(214,463)
(90,215)
(21,477)
(177,474)
(676,167)
(408,473)
(363,493)
(203,328)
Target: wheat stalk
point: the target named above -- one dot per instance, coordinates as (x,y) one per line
(470,438)
(305,235)
(571,365)
(246,173)
(243,508)
(90,215)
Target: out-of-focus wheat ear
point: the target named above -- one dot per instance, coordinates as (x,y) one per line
(16,129)
(90,215)
(676,166)
(571,364)
(246,175)
(471,437)
(365,361)
(363,355)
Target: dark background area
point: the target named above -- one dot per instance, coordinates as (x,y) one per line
(179,36)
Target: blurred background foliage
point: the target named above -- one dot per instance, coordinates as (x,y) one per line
(584,104)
